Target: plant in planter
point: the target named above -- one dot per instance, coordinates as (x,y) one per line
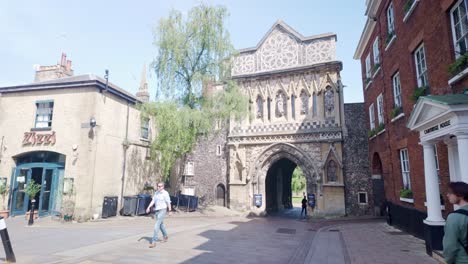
(408,5)
(380,128)
(459,65)
(390,36)
(395,111)
(3,192)
(32,188)
(406,193)
(367,81)
(418,92)
(68,207)
(372,133)
(375,68)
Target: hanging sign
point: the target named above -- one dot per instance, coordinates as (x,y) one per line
(33,138)
(312,200)
(258,200)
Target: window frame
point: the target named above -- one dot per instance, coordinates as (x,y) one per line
(456,6)
(371,117)
(143,128)
(397,99)
(375,50)
(219,150)
(390,19)
(405,168)
(380,110)
(368,67)
(50,114)
(189,168)
(420,59)
(366,198)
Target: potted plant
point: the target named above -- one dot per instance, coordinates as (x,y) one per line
(408,6)
(406,193)
(418,92)
(3,192)
(68,205)
(395,111)
(32,188)
(459,65)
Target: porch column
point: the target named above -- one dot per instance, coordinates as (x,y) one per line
(434,214)
(462,140)
(453,159)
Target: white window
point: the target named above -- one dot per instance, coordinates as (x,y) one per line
(362,197)
(368,68)
(405,169)
(375,48)
(371,117)
(189,168)
(144,130)
(421,68)
(218,150)
(397,90)
(44,113)
(460,27)
(390,20)
(380,109)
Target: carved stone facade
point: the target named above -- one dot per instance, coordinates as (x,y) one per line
(293,84)
(297,119)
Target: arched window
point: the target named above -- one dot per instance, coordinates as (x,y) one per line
(331,171)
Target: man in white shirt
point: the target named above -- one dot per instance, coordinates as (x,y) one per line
(162,201)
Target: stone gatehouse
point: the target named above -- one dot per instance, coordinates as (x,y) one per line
(297,119)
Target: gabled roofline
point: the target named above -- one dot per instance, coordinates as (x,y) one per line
(411,124)
(290,30)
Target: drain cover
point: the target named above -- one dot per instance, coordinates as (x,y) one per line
(311,229)
(286,231)
(334,230)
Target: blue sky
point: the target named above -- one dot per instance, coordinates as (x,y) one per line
(117,35)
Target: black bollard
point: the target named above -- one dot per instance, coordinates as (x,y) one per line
(31,213)
(10,255)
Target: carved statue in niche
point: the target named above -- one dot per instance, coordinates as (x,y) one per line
(329,101)
(331,171)
(280,109)
(259,107)
(304,103)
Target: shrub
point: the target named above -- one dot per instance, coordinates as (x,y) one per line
(408,5)
(418,92)
(395,111)
(459,65)
(406,193)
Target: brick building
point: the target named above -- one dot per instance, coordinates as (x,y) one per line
(414,73)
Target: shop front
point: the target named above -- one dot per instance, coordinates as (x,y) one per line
(45,168)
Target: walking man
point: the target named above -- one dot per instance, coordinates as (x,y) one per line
(304,206)
(455,238)
(162,201)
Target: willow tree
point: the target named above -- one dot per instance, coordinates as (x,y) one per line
(193,51)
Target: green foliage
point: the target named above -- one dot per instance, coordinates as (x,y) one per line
(376,67)
(389,37)
(32,188)
(408,5)
(380,127)
(406,193)
(395,111)
(418,92)
(192,51)
(459,65)
(372,133)
(4,188)
(298,182)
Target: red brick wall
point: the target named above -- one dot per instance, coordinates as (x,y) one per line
(429,24)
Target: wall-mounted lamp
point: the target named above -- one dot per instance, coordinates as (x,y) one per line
(92,122)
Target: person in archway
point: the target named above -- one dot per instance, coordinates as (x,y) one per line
(162,202)
(304,206)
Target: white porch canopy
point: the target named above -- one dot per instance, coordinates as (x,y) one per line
(441,118)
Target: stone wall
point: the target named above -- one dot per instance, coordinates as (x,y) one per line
(356,160)
(209,167)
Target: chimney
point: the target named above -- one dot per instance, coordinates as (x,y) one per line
(69,63)
(63,59)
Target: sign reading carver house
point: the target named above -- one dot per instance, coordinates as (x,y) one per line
(33,138)
(437,127)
